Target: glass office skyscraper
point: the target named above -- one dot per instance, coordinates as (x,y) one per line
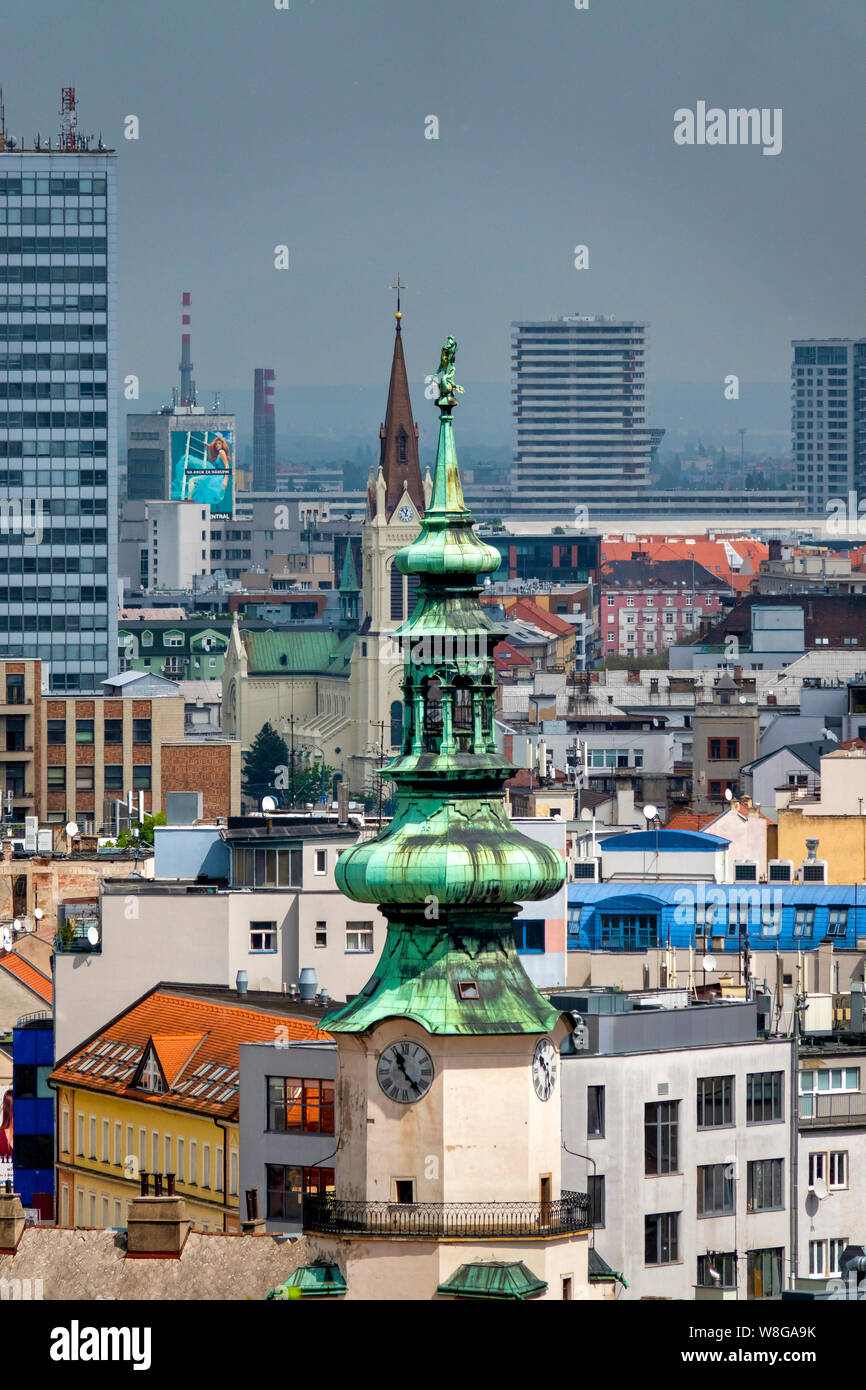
(58,426)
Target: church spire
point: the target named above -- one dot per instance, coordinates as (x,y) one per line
(398,436)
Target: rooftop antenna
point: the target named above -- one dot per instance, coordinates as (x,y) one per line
(68,119)
(217,404)
(2,122)
(187,385)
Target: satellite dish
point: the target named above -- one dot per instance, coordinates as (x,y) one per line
(743,700)
(38,913)
(708,963)
(585,813)
(71,828)
(650,811)
(7,939)
(269,803)
(29,926)
(17,925)
(819,1187)
(729,795)
(93,935)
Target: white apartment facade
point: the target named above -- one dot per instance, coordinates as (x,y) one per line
(678,1123)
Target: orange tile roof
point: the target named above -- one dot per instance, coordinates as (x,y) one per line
(207,1079)
(711,554)
(173,1050)
(28,975)
(691,820)
(533,613)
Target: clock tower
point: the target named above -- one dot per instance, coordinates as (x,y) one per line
(447,1171)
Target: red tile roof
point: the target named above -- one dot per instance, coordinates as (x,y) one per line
(28,975)
(691,820)
(539,617)
(196,1039)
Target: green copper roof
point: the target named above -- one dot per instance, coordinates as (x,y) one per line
(318,1280)
(450,869)
(349,578)
(321,652)
(509,1281)
(422,966)
(599,1270)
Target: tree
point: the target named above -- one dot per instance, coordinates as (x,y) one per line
(266,756)
(126,839)
(309,779)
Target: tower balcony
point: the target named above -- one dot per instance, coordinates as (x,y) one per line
(329,1215)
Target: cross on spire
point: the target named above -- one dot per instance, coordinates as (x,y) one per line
(398,287)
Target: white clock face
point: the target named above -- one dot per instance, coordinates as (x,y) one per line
(405,1072)
(406,514)
(545,1064)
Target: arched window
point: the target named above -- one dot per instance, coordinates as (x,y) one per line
(462,712)
(396,723)
(432,714)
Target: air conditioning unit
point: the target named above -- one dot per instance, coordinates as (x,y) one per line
(585,870)
(780,871)
(812,871)
(745,871)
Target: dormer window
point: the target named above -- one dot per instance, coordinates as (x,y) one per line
(150,1078)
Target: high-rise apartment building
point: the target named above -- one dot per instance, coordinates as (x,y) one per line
(58,444)
(264,431)
(579,395)
(828,408)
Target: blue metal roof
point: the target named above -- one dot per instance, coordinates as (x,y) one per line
(690,841)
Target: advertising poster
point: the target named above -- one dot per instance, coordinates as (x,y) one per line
(202,468)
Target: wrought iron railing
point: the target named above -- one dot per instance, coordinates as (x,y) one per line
(448,1220)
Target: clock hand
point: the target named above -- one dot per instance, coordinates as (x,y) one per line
(402,1065)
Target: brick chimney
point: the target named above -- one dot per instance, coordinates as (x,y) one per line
(157,1228)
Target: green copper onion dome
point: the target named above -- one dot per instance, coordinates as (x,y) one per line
(450,868)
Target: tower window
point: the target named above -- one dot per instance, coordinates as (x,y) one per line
(401,447)
(468,989)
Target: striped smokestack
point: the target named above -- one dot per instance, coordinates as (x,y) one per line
(187,385)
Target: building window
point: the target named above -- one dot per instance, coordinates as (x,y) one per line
(57,778)
(106,1141)
(529,937)
(818,1258)
(57,731)
(359,938)
(151,1080)
(267,868)
(287,1185)
(84,778)
(193,1162)
(141,731)
(596,1201)
(661,1137)
(715,1102)
(84,731)
(714,749)
(764,1185)
(837,921)
(595,1112)
(112,730)
(764,1273)
(300,1105)
(181,1155)
(321,861)
(263,937)
(141,776)
(205,1166)
(113,777)
(804,921)
(79,1135)
(715,1189)
(763,1097)
(660,1238)
(732,749)
(836,1248)
(717,1270)
(321,934)
(118,1144)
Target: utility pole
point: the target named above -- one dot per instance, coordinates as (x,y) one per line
(291,723)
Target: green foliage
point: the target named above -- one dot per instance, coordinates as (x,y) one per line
(126,839)
(261,763)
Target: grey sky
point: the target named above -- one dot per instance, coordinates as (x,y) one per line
(261,126)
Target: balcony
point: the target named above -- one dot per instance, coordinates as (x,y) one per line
(448,1220)
(827,1108)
